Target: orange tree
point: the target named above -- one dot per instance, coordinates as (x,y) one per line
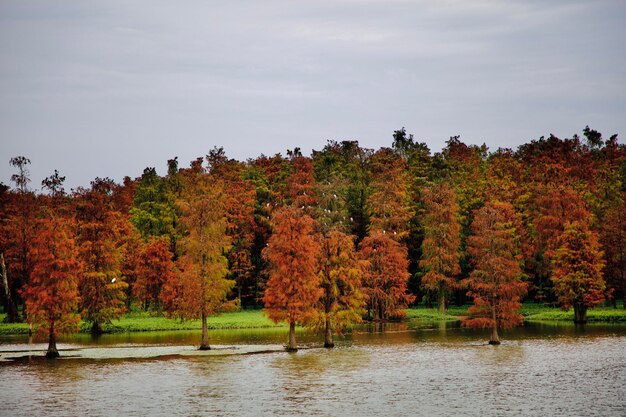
(51,296)
(385,276)
(495,283)
(201,287)
(293,287)
(342,301)
(577,270)
(442,241)
(101,232)
(154,268)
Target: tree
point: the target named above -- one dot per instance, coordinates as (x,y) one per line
(54,184)
(201,287)
(495,283)
(155,267)
(154,212)
(51,296)
(577,275)
(293,286)
(239,205)
(342,301)
(17,233)
(613,239)
(390,203)
(385,276)
(442,241)
(101,232)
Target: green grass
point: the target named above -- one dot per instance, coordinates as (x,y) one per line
(600,314)
(530,311)
(251,319)
(142,322)
(146,322)
(452,313)
(12,328)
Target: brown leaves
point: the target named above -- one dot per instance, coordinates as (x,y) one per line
(292,252)
(495,284)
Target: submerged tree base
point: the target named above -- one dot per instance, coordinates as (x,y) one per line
(494,342)
(291,349)
(329,345)
(203,347)
(52,354)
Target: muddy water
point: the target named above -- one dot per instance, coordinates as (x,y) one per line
(539,370)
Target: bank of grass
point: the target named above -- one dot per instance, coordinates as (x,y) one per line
(600,314)
(530,311)
(250,319)
(147,322)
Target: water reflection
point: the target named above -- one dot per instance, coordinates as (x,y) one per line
(390,370)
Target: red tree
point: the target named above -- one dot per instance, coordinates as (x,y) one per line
(101,232)
(495,284)
(155,267)
(385,276)
(293,286)
(577,272)
(52,294)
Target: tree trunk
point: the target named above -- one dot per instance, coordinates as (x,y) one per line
(292,346)
(205,335)
(96,329)
(580,313)
(11,310)
(442,302)
(52,343)
(328,342)
(494,340)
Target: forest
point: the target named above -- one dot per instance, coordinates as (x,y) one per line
(324,241)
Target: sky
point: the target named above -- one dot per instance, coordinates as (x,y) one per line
(105,89)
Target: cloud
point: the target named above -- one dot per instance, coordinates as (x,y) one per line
(106,89)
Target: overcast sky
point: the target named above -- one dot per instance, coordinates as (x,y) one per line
(108,88)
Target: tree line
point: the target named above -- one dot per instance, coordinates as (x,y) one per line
(324,241)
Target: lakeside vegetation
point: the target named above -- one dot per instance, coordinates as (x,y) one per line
(255,319)
(324,240)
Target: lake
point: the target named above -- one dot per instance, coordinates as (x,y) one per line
(392,370)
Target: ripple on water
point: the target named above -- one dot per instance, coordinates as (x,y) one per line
(399,374)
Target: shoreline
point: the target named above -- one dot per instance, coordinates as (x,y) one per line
(255,319)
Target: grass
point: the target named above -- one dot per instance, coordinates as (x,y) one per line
(530,311)
(142,322)
(146,322)
(251,319)
(600,314)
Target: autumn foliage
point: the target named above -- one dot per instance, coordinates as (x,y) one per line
(282,231)
(442,241)
(495,284)
(293,287)
(578,267)
(385,276)
(342,301)
(51,296)
(201,288)
(154,268)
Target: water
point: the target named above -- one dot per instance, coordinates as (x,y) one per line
(539,370)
